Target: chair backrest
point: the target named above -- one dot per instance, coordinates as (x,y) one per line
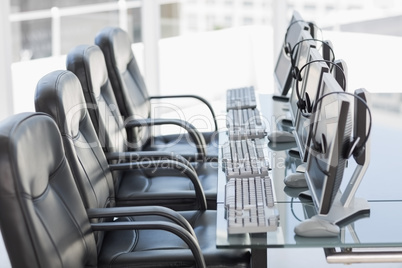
(60,95)
(88,64)
(43,220)
(128,84)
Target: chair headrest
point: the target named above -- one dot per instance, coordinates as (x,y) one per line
(88,64)
(59,94)
(29,141)
(118,43)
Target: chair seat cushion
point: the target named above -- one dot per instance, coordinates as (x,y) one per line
(143,248)
(166,187)
(183,145)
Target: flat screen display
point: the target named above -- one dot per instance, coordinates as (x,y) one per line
(331,129)
(282,73)
(310,86)
(302,56)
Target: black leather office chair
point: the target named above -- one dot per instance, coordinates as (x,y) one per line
(87,62)
(44,222)
(134,100)
(59,94)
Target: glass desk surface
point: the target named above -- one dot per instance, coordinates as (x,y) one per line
(382,228)
(381,186)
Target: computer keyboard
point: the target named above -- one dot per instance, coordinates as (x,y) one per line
(245,158)
(245,123)
(249,198)
(250,206)
(240,98)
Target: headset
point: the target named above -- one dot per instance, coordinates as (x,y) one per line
(286,45)
(295,69)
(352,147)
(306,106)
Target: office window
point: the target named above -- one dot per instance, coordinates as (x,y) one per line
(170,20)
(134,25)
(266,4)
(210,22)
(309,7)
(355,7)
(248,20)
(329,8)
(32,38)
(192,22)
(29,5)
(71,36)
(228,21)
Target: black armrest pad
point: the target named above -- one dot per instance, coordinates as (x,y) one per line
(141,211)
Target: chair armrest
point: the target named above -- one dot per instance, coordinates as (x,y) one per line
(195,135)
(185,170)
(156,225)
(141,211)
(147,156)
(194,97)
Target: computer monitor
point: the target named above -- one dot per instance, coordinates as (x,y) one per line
(331,130)
(340,74)
(302,56)
(327,50)
(310,87)
(361,153)
(283,67)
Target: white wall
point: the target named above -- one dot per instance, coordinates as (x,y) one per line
(6,107)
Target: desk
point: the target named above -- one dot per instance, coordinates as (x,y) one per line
(381,186)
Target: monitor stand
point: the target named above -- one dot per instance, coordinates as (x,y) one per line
(282,138)
(342,215)
(288,123)
(346,207)
(294,153)
(301,168)
(280,98)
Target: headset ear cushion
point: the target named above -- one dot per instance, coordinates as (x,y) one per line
(309,107)
(312,107)
(358,151)
(298,75)
(323,143)
(301,104)
(287,49)
(317,146)
(320,147)
(353,149)
(294,73)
